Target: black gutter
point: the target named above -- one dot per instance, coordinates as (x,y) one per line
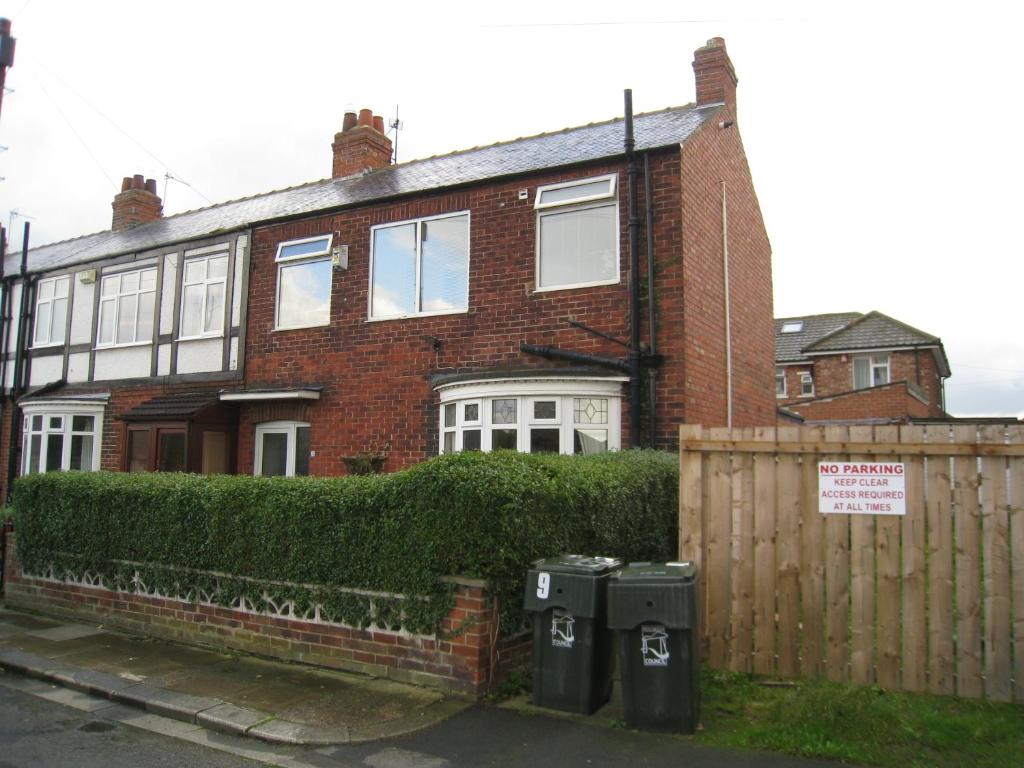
(24,318)
(634,278)
(577,357)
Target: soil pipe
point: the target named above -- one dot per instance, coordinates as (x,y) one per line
(633,170)
(24,318)
(652,328)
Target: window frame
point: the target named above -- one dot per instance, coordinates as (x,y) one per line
(205,282)
(806,377)
(65,411)
(52,301)
(417,285)
(586,202)
(882,361)
(120,275)
(289,428)
(526,393)
(284,262)
(780,376)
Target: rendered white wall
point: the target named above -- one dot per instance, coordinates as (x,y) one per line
(199,356)
(78,366)
(125,363)
(46,369)
(81,310)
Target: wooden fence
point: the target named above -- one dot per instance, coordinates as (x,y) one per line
(929,601)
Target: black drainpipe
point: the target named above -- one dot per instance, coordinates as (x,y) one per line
(24,318)
(652,328)
(634,278)
(5,289)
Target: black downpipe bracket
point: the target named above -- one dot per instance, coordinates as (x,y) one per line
(633,171)
(19,354)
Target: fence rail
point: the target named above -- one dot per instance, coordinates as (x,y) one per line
(932,600)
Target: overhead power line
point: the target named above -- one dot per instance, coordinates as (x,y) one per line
(122,131)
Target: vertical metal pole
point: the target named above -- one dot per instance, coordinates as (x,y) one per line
(634,278)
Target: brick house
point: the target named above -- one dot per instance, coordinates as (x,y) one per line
(858,367)
(499,297)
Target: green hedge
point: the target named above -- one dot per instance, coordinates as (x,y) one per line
(471,514)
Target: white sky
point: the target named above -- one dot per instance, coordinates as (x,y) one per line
(884,138)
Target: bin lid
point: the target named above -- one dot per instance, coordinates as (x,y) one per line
(657,573)
(582,564)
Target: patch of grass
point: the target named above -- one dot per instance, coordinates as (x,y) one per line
(859,724)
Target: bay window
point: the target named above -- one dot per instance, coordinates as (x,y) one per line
(538,416)
(61,436)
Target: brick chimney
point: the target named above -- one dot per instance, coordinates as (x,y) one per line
(360,145)
(136,203)
(716,79)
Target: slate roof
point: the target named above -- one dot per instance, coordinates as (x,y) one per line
(789,346)
(851,331)
(567,147)
(176,406)
(872,331)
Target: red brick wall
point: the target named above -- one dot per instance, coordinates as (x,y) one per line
(887,402)
(463,661)
(715,155)
(834,375)
(376,374)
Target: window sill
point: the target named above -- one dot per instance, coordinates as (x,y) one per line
(50,345)
(99,348)
(573,286)
(205,337)
(280,329)
(418,315)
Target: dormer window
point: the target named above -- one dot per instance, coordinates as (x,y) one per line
(577,234)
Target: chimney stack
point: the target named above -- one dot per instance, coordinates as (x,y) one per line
(361,144)
(714,75)
(136,203)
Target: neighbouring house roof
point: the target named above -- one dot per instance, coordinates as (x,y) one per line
(850,332)
(789,346)
(177,406)
(571,146)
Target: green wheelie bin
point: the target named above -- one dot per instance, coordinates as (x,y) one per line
(653,609)
(572,648)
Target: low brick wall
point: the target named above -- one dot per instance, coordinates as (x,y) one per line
(468,661)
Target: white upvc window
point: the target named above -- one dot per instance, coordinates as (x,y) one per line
(62,436)
(577,234)
(304,274)
(806,384)
(780,382)
(51,310)
(127,305)
(204,283)
(420,267)
(870,371)
(537,416)
(282,449)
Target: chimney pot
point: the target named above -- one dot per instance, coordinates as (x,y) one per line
(137,203)
(360,150)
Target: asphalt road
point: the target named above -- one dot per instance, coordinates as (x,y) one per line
(40,734)
(36,732)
